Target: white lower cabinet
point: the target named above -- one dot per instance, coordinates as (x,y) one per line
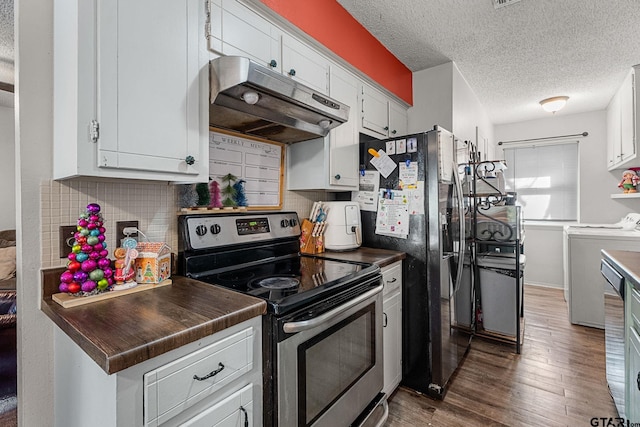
(392,323)
(216,381)
(232,411)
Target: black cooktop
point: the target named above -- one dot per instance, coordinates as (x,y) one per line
(293,282)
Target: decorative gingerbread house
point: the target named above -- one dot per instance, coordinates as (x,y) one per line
(153,264)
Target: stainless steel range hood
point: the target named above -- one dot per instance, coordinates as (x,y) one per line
(251,99)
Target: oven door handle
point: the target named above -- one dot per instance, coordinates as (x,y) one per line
(304,325)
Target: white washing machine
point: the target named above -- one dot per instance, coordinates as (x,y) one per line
(584,286)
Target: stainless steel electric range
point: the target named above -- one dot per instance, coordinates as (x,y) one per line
(322,334)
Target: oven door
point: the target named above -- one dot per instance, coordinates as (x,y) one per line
(330,369)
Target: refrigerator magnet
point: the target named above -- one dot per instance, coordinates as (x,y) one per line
(391,148)
(401,146)
(412,145)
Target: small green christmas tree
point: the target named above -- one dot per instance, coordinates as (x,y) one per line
(228,191)
(203,194)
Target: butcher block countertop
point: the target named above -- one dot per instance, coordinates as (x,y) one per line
(120,332)
(381,257)
(628,264)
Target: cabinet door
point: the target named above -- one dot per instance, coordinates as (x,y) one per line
(305,65)
(613,129)
(245,33)
(613,132)
(633,377)
(235,410)
(397,119)
(392,341)
(149,99)
(374,112)
(627,134)
(343,153)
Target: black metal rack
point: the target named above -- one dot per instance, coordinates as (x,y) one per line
(496,234)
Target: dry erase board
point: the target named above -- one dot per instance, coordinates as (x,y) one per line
(260,163)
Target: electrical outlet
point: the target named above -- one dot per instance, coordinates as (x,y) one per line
(120,226)
(66,233)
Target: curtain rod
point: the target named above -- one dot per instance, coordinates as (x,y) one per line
(542,139)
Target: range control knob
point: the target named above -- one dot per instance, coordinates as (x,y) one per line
(201,230)
(215,229)
(293,222)
(284,223)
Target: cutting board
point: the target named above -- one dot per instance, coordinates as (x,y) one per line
(67,300)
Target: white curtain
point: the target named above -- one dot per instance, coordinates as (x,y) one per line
(545,178)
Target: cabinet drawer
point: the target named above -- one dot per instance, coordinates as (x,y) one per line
(172,388)
(392,277)
(231,411)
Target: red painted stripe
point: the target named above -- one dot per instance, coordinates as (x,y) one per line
(331,25)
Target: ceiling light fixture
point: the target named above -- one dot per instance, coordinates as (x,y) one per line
(554,104)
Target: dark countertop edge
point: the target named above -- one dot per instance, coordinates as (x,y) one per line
(117,362)
(628,263)
(112,364)
(380,257)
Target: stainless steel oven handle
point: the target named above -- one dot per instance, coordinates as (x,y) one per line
(304,325)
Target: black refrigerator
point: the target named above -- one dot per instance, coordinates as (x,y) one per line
(434,295)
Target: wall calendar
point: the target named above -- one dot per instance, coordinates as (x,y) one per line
(259,163)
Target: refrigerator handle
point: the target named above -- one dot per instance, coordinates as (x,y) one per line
(462,247)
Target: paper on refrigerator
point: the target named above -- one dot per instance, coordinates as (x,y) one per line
(393,213)
(367,196)
(383,163)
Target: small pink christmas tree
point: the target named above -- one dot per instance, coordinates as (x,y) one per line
(214,189)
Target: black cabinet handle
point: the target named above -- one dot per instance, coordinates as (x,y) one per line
(211,374)
(246,416)
(273,63)
(337,176)
(190,160)
(386,320)
(392,280)
(292,72)
(638,380)
(393,132)
(386,128)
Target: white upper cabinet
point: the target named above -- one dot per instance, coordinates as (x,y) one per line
(622,121)
(380,117)
(344,154)
(238,31)
(329,163)
(122,109)
(397,119)
(302,63)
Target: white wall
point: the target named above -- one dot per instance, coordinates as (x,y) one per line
(543,244)
(442,96)
(7,169)
(34,112)
(596,184)
(432,99)
(468,113)
(544,257)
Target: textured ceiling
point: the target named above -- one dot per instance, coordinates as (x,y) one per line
(516,55)
(6,50)
(512,57)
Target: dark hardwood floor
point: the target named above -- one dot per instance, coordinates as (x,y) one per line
(557,380)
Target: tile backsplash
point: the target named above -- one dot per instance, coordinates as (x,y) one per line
(152,204)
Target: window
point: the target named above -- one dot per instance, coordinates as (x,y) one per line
(545,178)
